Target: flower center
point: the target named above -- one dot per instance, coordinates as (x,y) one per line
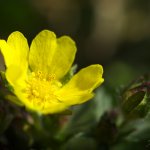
(41,88)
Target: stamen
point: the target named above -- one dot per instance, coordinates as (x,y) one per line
(41,89)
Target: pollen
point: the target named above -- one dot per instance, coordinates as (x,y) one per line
(41,88)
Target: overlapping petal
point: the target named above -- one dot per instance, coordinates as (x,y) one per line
(51,56)
(16,76)
(63,57)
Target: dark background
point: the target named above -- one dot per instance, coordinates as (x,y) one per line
(114,33)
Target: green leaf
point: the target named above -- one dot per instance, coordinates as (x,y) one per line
(5,120)
(87,115)
(80,142)
(134,134)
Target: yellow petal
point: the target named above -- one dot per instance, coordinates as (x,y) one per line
(54,108)
(15,51)
(42,50)
(6,52)
(16,76)
(79,88)
(51,55)
(75,97)
(63,57)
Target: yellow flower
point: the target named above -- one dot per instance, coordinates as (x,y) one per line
(36,74)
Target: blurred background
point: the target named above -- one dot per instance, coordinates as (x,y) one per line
(114,33)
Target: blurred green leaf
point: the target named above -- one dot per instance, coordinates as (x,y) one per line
(87,115)
(5,120)
(134,134)
(80,142)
